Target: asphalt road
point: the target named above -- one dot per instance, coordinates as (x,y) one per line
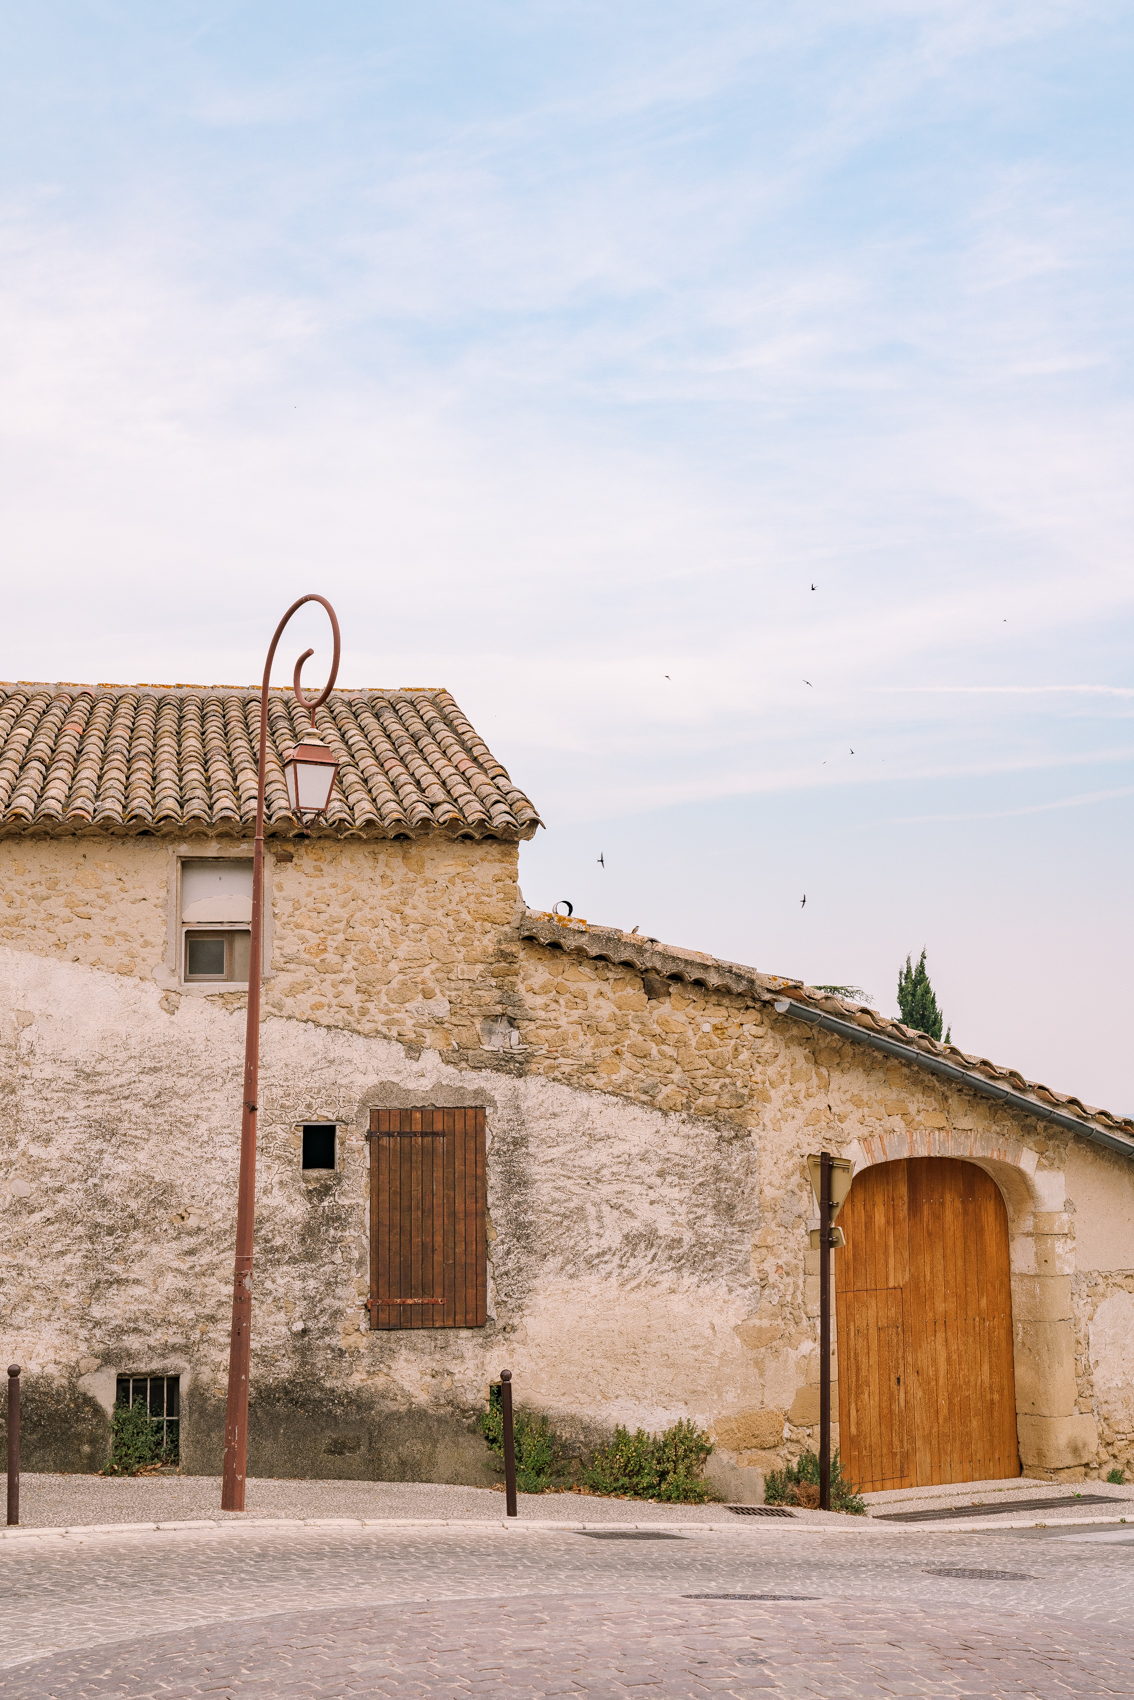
(532,1611)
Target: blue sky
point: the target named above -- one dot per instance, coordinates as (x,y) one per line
(565,347)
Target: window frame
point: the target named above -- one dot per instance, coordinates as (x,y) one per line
(229,933)
(174,977)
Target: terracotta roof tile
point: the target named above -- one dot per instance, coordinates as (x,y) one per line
(177,758)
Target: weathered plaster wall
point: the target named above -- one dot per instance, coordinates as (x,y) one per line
(648,1196)
(794,1088)
(621,1237)
(1100,1204)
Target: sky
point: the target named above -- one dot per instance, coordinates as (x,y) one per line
(730,404)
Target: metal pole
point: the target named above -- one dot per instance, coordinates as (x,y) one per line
(240,1343)
(509,1442)
(13,1443)
(825,1331)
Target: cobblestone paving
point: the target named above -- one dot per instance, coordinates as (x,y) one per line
(571,1646)
(447,1612)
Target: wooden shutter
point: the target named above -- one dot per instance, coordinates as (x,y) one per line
(428,1257)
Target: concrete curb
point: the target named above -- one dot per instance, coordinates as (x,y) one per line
(240,1524)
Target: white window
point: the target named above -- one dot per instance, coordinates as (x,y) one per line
(216,913)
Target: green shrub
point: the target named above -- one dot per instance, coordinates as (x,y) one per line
(540,1463)
(1118,1477)
(135,1441)
(645,1466)
(790,1486)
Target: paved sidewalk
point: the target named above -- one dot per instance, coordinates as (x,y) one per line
(60,1501)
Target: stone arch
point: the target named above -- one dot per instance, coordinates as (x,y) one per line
(1055,1439)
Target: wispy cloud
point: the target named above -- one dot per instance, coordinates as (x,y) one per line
(566,348)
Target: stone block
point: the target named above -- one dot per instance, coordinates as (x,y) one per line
(737,1484)
(1056,1443)
(1041,1298)
(805,1407)
(759,1460)
(740,1431)
(1044,1356)
(758,1335)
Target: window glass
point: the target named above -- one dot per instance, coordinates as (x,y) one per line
(204,956)
(216,891)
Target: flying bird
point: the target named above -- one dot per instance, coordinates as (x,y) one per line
(667,675)
(813,587)
(852,752)
(803,901)
(808,682)
(602,864)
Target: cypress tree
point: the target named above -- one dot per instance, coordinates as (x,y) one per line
(916,1001)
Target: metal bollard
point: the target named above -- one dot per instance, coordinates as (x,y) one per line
(509,1442)
(13,1443)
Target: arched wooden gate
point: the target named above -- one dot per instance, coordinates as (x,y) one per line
(924,1315)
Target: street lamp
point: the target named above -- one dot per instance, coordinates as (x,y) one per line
(310,775)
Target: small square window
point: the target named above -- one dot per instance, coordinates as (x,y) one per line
(319,1145)
(216,908)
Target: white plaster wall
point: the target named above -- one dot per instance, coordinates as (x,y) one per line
(622,1249)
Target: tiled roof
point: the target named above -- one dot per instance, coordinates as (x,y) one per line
(181,759)
(793,999)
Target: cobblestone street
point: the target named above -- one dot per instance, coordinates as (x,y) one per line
(532,1611)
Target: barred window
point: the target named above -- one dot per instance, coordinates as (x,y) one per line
(161,1396)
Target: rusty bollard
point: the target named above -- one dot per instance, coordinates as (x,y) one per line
(13,1443)
(509,1442)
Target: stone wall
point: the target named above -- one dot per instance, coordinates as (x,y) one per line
(648,1196)
(413,940)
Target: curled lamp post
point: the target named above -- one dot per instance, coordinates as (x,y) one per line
(310,775)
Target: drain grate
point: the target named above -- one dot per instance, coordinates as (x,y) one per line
(760,1511)
(984,1575)
(749,1596)
(1062,1504)
(626,1535)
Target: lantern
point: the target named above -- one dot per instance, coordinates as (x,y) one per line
(310,773)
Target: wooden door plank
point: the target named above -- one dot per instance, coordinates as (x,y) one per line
(480,1206)
(448,1253)
(460,1153)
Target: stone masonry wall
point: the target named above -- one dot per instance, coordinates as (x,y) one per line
(413,940)
(794,1088)
(648,1197)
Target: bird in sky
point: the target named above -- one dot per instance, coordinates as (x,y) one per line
(602,864)
(808,682)
(813,587)
(803,901)
(852,752)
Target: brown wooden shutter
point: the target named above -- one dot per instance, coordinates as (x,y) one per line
(428,1257)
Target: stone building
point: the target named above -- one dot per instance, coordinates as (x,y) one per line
(491,1137)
